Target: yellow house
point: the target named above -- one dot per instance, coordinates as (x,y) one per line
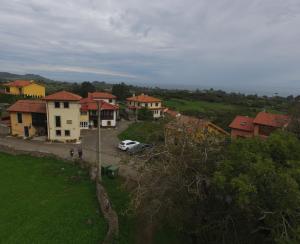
(25,88)
(194,128)
(28,118)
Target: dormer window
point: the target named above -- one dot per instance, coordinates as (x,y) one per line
(57,104)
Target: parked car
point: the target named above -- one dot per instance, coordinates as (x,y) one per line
(127,144)
(139,148)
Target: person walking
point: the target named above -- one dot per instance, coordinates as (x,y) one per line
(80,153)
(71,152)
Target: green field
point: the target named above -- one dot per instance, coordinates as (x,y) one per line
(45,200)
(144,131)
(200,106)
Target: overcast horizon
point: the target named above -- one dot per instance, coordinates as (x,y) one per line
(247,46)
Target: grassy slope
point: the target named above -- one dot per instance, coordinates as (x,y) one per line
(201,106)
(41,203)
(144,131)
(127,223)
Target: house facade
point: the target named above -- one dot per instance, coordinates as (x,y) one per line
(89,110)
(28,118)
(262,125)
(63,116)
(25,88)
(154,104)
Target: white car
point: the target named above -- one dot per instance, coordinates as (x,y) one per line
(127,144)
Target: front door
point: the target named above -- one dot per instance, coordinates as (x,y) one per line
(26,131)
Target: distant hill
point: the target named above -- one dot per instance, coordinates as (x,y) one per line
(51,85)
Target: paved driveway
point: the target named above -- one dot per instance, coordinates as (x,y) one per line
(109,152)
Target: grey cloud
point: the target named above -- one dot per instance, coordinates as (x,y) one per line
(222,43)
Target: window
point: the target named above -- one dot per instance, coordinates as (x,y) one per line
(19,115)
(57,104)
(156,104)
(58,132)
(57,121)
(67,133)
(66,104)
(108,123)
(69,122)
(110,100)
(84,124)
(107,114)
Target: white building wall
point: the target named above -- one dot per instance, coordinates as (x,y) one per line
(113,122)
(70,120)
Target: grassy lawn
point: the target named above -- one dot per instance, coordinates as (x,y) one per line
(45,200)
(144,131)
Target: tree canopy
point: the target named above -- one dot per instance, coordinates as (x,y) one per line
(245,192)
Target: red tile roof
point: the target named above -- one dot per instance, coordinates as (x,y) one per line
(18,83)
(242,123)
(172,113)
(89,104)
(274,120)
(63,96)
(143,99)
(28,106)
(101,95)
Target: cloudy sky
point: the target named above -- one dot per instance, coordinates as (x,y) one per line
(231,44)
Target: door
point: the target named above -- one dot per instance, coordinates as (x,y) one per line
(26,131)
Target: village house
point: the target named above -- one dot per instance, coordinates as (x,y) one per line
(154,104)
(28,118)
(63,116)
(194,128)
(25,88)
(262,125)
(89,110)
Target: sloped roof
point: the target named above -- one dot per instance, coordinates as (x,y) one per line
(242,123)
(18,83)
(143,99)
(28,106)
(171,113)
(269,119)
(192,124)
(89,104)
(101,95)
(63,96)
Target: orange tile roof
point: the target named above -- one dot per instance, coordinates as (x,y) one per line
(63,96)
(143,99)
(274,120)
(18,83)
(89,104)
(172,113)
(101,95)
(192,123)
(242,123)
(28,106)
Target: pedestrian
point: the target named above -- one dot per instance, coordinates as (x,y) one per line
(72,152)
(80,153)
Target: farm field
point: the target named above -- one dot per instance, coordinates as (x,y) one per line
(44,200)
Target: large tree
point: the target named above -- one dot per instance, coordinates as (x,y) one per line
(247,192)
(121,91)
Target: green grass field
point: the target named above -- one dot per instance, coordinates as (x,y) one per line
(45,200)
(200,106)
(144,131)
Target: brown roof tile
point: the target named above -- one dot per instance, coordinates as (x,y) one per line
(143,99)
(269,119)
(28,106)
(18,83)
(242,123)
(63,96)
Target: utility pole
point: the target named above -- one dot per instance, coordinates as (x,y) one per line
(98,149)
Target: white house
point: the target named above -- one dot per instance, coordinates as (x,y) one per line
(63,116)
(89,110)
